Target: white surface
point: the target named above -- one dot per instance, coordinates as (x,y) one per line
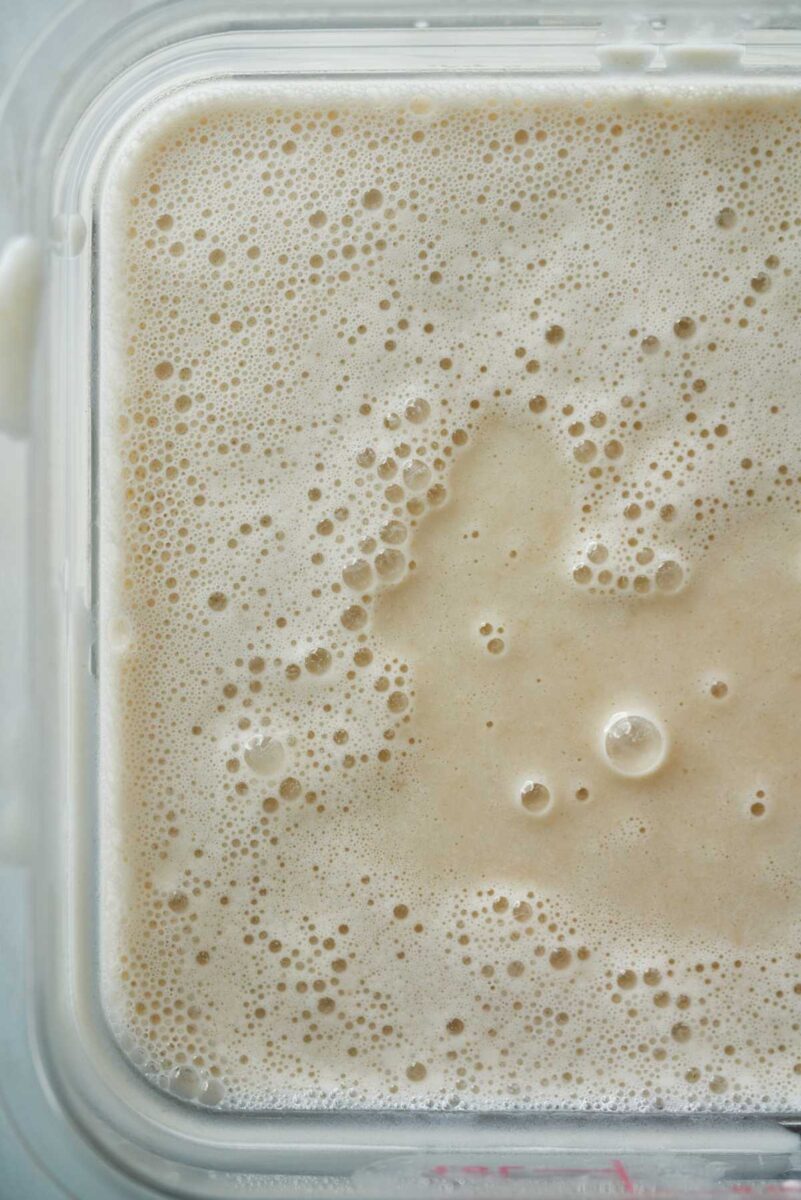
(19,1180)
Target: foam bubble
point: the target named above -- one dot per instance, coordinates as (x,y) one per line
(633,744)
(264,754)
(535,797)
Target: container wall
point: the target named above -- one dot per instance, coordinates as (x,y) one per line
(97,1124)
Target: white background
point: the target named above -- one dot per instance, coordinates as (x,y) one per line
(20,20)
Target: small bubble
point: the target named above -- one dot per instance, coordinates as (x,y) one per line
(372,198)
(354,617)
(554,335)
(318,661)
(495,645)
(394,533)
(416,1072)
(597,552)
(185,1082)
(585,452)
(417,411)
(535,797)
(178,902)
(633,745)
(650,344)
(390,564)
(218,601)
(726,218)
(681,1032)
(613,448)
(212,1093)
(761,282)
(538,404)
(264,754)
(669,576)
(719,690)
(357,574)
(582,574)
(560,959)
(417,475)
(684,327)
(289,788)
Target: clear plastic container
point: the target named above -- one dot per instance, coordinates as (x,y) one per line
(82,1112)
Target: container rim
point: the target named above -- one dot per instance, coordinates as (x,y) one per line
(133,66)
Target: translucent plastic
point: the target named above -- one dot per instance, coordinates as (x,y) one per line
(88,1118)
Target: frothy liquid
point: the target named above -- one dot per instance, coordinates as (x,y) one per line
(451,596)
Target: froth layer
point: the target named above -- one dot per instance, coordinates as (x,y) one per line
(449,587)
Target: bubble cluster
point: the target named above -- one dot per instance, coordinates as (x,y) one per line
(448,433)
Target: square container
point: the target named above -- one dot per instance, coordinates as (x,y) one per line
(81,1110)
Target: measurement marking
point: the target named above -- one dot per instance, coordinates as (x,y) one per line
(623,1176)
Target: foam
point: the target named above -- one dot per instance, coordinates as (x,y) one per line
(442,425)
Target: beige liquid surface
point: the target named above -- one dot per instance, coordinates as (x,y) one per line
(450,596)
